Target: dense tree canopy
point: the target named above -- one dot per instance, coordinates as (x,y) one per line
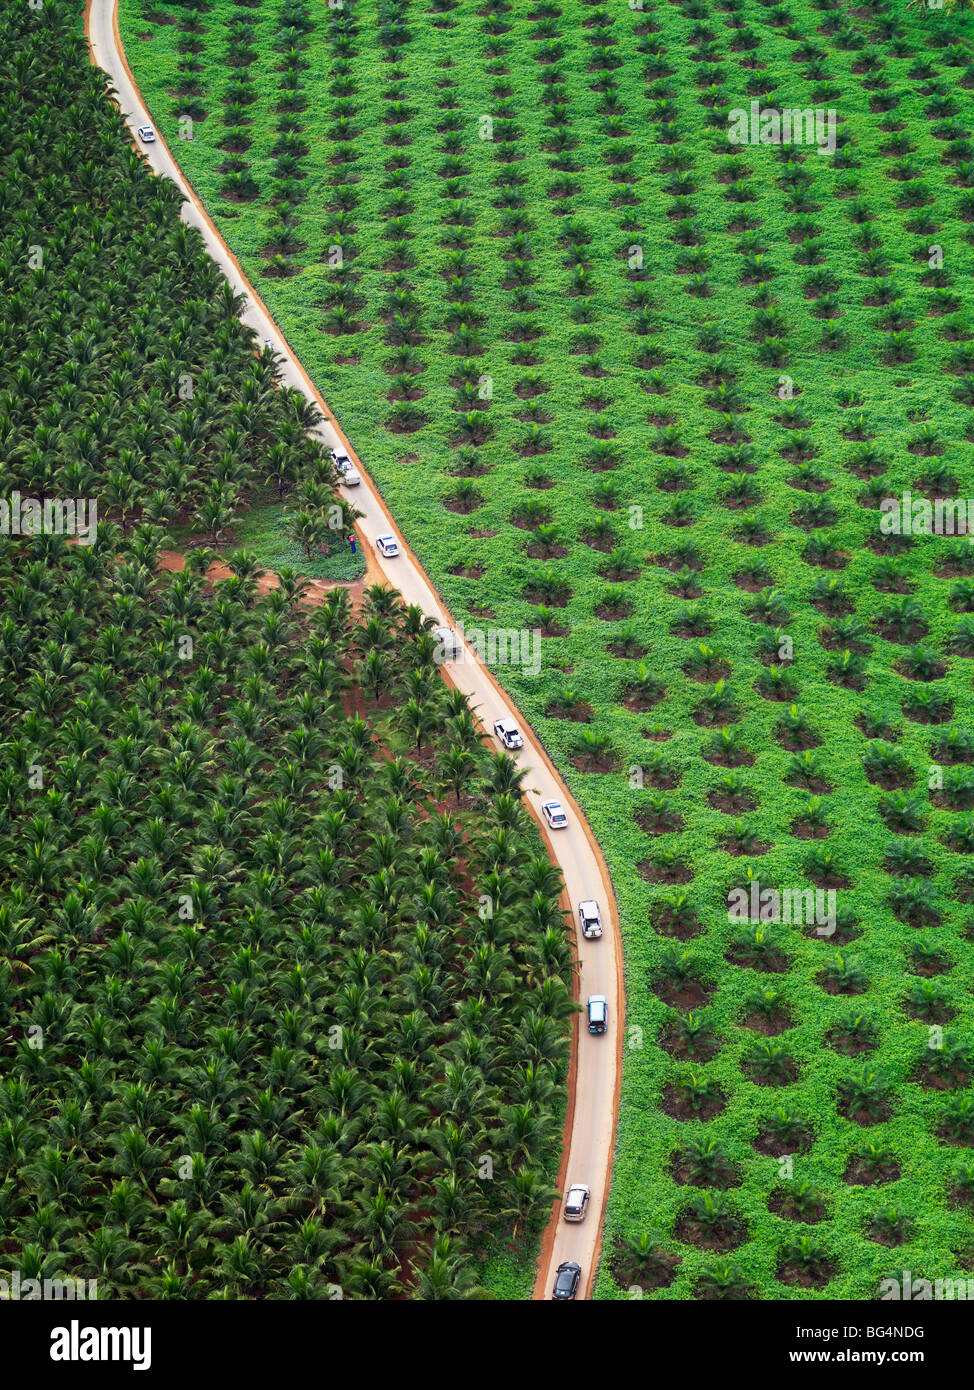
(284,981)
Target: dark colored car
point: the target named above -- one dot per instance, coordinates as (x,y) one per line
(566,1280)
(598,1013)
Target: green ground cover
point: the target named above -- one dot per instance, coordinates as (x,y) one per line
(655,386)
(263,531)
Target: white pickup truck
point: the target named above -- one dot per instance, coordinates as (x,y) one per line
(347,471)
(590,919)
(508,733)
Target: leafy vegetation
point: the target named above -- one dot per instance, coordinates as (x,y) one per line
(123,350)
(660,384)
(285,985)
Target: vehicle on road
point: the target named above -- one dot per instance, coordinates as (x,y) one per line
(508,733)
(576,1201)
(554,814)
(597,1007)
(146,134)
(567,1280)
(447,644)
(345,468)
(590,919)
(348,474)
(387,546)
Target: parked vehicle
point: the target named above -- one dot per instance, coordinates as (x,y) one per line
(576,1201)
(508,733)
(448,644)
(387,546)
(598,1013)
(567,1280)
(348,474)
(590,919)
(554,814)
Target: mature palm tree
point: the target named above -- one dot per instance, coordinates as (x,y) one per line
(108,1256)
(419,721)
(527,1191)
(274,1021)
(382,1224)
(505,775)
(456,766)
(447,1276)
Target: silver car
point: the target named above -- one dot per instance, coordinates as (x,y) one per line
(576,1201)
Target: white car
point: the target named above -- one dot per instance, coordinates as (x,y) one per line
(554,814)
(590,919)
(576,1201)
(448,644)
(146,134)
(387,546)
(508,733)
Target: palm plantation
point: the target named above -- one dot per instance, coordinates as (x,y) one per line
(259,1041)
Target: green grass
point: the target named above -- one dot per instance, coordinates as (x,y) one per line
(262,531)
(659,366)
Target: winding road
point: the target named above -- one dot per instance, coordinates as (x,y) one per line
(596,1067)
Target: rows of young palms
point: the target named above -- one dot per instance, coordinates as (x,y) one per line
(868,243)
(285,987)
